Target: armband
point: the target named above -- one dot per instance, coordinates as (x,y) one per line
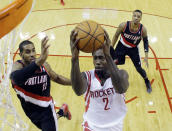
(146,45)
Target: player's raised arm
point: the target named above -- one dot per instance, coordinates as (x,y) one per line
(56,77)
(44,52)
(146,45)
(79,82)
(19,73)
(119,77)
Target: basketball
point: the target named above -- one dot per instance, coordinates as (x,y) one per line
(91,36)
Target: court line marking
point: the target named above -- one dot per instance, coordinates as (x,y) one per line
(151,111)
(131,99)
(111,9)
(164,69)
(152,81)
(162,78)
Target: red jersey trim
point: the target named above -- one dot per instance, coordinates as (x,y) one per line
(88,90)
(126,42)
(45,70)
(88,103)
(89,84)
(97,77)
(86,127)
(42,98)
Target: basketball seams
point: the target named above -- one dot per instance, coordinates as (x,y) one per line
(90,35)
(88,26)
(97,36)
(94,45)
(86,43)
(81,24)
(97,40)
(84,32)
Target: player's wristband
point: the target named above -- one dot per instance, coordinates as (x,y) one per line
(146,45)
(112,52)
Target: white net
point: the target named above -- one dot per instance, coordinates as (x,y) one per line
(9,118)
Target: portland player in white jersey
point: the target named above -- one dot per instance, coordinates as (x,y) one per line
(103,89)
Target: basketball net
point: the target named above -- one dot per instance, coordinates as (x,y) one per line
(9,118)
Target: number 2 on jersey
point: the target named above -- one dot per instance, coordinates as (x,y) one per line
(106,101)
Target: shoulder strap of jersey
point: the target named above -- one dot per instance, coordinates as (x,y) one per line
(44,68)
(88,74)
(19,61)
(126,26)
(141,29)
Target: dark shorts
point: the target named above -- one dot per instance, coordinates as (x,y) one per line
(121,51)
(43,117)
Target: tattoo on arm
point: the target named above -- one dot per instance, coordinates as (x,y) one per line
(118,32)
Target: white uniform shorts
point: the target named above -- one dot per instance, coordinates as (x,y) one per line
(88,127)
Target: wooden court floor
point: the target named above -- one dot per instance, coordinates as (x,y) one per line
(146,112)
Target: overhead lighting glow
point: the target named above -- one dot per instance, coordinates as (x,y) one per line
(86,15)
(150,103)
(170,39)
(24,36)
(52,37)
(17,126)
(153,39)
(41,35)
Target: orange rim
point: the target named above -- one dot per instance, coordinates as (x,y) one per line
(13,14)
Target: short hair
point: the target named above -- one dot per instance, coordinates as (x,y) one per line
(138,11)
(23,43)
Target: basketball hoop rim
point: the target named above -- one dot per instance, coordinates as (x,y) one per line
(13,14)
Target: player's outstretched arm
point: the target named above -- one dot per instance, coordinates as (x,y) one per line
(56,77)
(44,52)
(79,82)
(118,32)
(119,77)
(146,45)
(18,73)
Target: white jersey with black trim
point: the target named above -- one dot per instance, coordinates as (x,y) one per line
(104,107)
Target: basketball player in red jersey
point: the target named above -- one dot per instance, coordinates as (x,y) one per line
(103,89)
(131,34)
(31,79)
